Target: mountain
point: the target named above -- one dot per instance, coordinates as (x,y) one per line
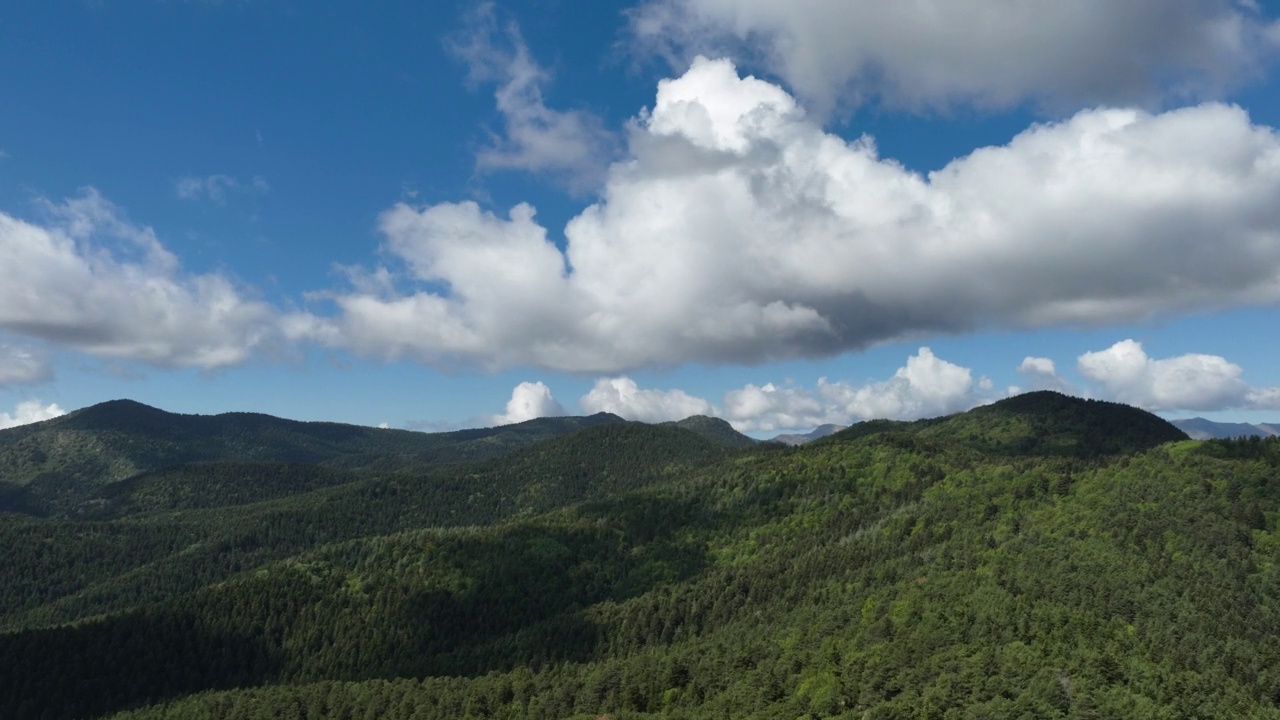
(1050,423)
(1043,556)
(1201,429)
(819,432)
(714,429)
(1034,424)
(55,465)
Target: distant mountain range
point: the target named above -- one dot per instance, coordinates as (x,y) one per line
(1202,429)
(121,438)
(819,432)
(54,466)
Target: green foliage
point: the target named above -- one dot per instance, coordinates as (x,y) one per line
(208,485)
(64,570)
(61,466)
(1049,423)
(1045,558)
(714,429)
(1036,423)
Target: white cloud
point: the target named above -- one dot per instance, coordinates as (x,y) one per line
(570,144)
(1193,381)
(529,400)
(769,407)
(29,411)
(1262,398)
(1037,366)
(504,278)
(21,365)
(91,281)
(1041,374)
(740,232)
(621,396)
(923,54)
(216,187)
(927,386)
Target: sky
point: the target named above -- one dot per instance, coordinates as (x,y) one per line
(457,214)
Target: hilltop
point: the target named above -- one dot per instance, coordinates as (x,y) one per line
(714,429)
(1036,424)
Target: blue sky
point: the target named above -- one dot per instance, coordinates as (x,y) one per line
(435,215)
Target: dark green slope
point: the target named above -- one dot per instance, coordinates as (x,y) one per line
(55,467)
(714,429)
(484,443)
(843,581)
(1050,423)
(897,574)
(114,440)
(208,485)
(865,428)
(1036,424)
(104,566)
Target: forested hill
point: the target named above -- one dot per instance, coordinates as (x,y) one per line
(55,465)
(1041,557)
(1036,423)
(715,430)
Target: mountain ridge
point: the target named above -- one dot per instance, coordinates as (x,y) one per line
(58,462)
(815,434)
(1199,428)
(715,429)
(1036,423)
(117,439)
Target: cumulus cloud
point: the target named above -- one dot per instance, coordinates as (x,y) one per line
(1041,374)
(30,411)
(771,407)
(1267,398)
(91,281)
(927,54)
(1037,366)
(738,231)
(21,365)
(572,145)
(621,396)
(216,187)
(927,386)
(505,302)
(1193,381)
(529,400)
